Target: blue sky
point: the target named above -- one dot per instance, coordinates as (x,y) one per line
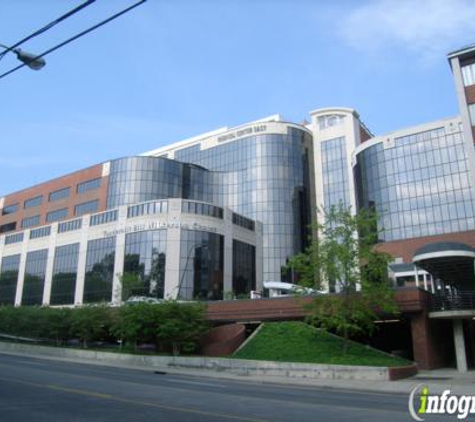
(172,69)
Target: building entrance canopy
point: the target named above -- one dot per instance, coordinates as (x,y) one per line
(451,262)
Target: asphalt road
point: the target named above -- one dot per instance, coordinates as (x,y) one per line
(45,390)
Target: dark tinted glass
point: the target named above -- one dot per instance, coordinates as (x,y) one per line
(9,279)
(64,274)
(34,282)
(99,270)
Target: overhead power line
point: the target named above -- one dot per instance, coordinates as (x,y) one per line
(47,27)
(75,37)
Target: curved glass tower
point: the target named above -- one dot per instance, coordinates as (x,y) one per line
(419,184)
(260,171)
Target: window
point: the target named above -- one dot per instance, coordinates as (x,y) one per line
(103,218)
(203,209)
(9,227)
(86,207)
(68,226)
(34,280)
(14,238)
(147,208)
(65,266)
(9,276)
(89,185)
(99,270)
(244,268)
(59,194)
(145,254)
(41,232)
(30,221)
(471,112)
(33,202)
(56,215)
(244,222)
(10,209)
(468,74)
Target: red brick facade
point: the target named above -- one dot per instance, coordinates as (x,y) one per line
(70,180)
(406,248)
(223,340)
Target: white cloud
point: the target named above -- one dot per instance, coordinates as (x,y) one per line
(429,28)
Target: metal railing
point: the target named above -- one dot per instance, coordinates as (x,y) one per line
(453,301)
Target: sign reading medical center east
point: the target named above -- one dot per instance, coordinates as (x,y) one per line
(242,132)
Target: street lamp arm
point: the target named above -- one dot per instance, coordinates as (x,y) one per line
(31,60)
(46,27)
(75,37)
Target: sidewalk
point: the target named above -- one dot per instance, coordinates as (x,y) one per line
(437,380)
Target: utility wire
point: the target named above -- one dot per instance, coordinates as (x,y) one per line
(75,37)
(46,27)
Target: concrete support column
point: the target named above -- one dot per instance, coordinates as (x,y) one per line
(228,256)
(459,342)
(119,258)
(172,266)
(417,275)
(49,265)
(425,281)
(2,240)
(81,274)
(259,258)
(21,271)
(427,336)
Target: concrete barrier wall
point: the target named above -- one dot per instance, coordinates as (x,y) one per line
(234,366)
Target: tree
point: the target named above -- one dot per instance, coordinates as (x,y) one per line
(131,285)
(137,324)
(182,326)
(91,323)
(342,253)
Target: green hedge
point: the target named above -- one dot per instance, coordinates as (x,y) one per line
(171,326)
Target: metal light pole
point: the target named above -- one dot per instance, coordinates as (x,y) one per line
(182,278)
(31,60)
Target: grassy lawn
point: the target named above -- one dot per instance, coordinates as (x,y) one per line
(299,342)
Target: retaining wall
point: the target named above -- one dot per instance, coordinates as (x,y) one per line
(233,366)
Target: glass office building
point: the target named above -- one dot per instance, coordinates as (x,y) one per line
(166,249)
(419,183)
(264,172)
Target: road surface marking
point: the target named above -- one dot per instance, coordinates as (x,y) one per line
(134,402)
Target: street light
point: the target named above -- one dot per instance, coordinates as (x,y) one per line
(31,60)
(197,245)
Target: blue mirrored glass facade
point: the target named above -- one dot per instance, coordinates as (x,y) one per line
(336,187)
(139,179)
(265,177)
(419,185)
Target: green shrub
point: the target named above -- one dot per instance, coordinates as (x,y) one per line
(137,324)
(172,325)
(182,325)
(91,323)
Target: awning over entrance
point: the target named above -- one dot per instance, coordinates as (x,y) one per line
(451,262)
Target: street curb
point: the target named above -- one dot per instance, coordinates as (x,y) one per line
(241,367)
